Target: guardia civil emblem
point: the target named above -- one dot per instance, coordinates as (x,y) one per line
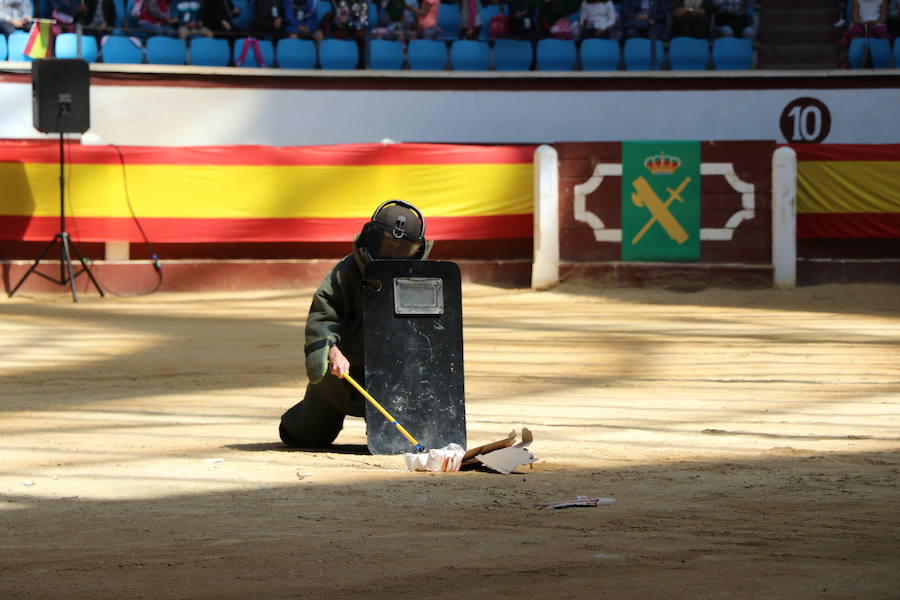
(660,201)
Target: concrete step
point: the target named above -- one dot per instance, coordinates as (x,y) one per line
(799,38)
(798,57)
(766,5)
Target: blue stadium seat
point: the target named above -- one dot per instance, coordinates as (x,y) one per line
(897,53)
(688,54)
(338,55)
(879,51)
(3,49)
(512,55)
(209,52)
(638,55)
(600,55)
(66,46)
(554,54)
(292,53)
(449,21)
(487,13)
(470,55)
(15,46)
(427,55)
(165,50)
(266,49)
(732,54)
(386,55)
(122,50)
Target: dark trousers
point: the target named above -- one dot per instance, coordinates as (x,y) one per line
(316,421)
(690,25)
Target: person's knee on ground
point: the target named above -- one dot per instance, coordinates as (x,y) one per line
(310,424)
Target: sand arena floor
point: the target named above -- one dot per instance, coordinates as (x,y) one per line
(750,438)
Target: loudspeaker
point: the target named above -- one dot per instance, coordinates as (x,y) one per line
(60,89)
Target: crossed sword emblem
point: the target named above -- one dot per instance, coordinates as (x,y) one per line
(645,196)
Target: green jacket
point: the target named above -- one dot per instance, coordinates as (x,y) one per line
(336,314)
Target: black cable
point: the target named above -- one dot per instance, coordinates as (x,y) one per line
(157,266)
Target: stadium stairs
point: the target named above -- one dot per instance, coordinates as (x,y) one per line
(799,34)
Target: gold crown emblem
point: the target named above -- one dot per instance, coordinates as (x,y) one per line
(662,164)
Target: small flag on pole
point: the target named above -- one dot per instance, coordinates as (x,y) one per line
(38,44)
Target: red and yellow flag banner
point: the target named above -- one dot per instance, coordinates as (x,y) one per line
(262,193)
(848,191)
(39,38)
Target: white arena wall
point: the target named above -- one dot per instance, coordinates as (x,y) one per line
(185,106)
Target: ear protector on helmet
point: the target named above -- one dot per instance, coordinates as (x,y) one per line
(396,230)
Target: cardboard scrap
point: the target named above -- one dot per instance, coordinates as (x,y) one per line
(502,456)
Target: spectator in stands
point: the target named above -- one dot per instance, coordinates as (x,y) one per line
(103,20)
(393,23)
(68,13)
(644,18)
(522,18)
(302,19)
(219,15)
(733,18)
(358,13)
(691,18)
(348,21)
(269,18)
(106,15)
(155,18)
(599,19)
(893,19)
(15,14)
(841,6)
(344,20)
(470,19)
(426,17)
(553,18)
(190,21)
(869,20)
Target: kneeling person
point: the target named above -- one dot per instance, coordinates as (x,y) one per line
(334,335)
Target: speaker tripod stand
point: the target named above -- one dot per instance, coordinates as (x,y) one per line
(66,246)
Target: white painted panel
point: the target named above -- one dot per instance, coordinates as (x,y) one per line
(148,115)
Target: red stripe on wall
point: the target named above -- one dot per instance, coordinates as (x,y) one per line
(100,229)
(339,155)
(848,225)
(847,152)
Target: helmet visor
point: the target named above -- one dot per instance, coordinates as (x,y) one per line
(390,246)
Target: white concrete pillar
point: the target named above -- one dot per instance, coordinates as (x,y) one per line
(784,217)
(545,269)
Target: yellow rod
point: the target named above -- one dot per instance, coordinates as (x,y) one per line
(386,414)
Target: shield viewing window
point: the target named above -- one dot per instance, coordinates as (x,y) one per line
(418,296)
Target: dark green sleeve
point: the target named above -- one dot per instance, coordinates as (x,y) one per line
(334,316)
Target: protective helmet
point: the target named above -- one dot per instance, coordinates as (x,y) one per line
(397,230)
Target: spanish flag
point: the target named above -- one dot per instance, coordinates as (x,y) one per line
(848,191)
(264,193)
(38,44)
